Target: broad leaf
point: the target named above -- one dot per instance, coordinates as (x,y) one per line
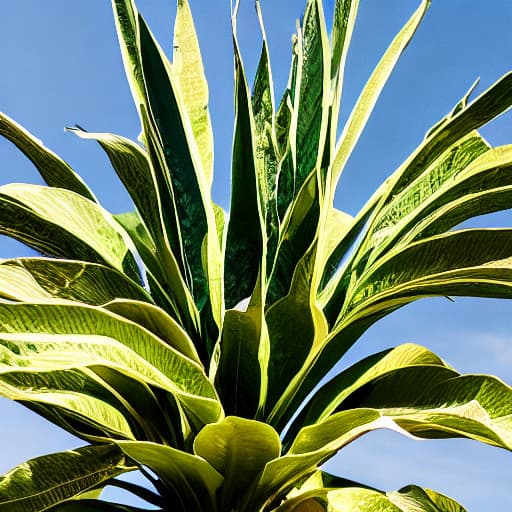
(311,448)
(408,499)
(29,279)
(53,336)
(71,399)
(40,483)
(158,322)
(62,223)
(192,483)
(238,449)
(325,401)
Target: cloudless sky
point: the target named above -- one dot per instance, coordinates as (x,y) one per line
(60,65)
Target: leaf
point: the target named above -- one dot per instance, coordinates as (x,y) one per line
(154,414)
(63,335)
(483,187)
(450,261)
(298,233)
(74,402)
(62,223)
(54,171)
(191,482)
(245,240)
(329,396)
(343,21)
(408,499)
(188,184)
(400,214)
(158,322)
(44,481)
(295,320)
(134,169)
(89,505)
(43,279)
(265,150)
(238,449)
(412,496)
(188,66)
(184,190)
(489,105)
(345,12)
(167,285)
(340,500)
(313,446)
(433,402)
(238,377)
(369,95)
(312,98)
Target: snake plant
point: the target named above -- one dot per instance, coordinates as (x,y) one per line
(191,344)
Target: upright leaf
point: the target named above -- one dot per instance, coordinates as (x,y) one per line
(238,449)
(369,95)
(187,63)
(245,233)
(191,482)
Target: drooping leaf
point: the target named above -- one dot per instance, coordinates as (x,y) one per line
(75,403)
(408,499)
(29,279)
(39,483)
(436,402)
(310,449)
(395,218)
(489,105)
(134,169)
(60,335)
(165,281)
(62,223)
(192,483)
(438,264)
(325,401)
(54,171)
(158,322)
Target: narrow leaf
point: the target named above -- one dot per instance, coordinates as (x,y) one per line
(54,171)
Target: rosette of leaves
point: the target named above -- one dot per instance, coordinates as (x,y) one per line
(188,344)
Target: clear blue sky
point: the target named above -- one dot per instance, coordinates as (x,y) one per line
(60,65)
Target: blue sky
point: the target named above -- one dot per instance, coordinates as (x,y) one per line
(60,65)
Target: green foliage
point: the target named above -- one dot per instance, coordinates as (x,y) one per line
(200,367)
